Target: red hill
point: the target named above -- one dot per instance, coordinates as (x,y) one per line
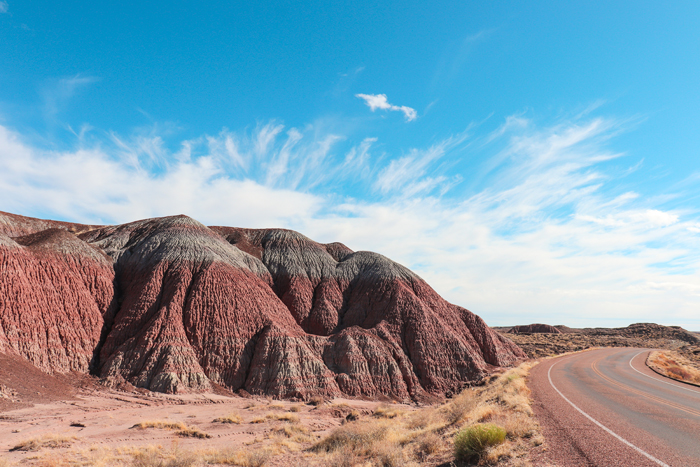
(171,305)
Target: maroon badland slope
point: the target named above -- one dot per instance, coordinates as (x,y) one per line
(171,305)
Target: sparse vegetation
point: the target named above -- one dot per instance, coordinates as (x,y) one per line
(192,432)
(393,437)
(316,401)
(47,441)
(296,433)
(286,417)
(386,411)
(675,366)
(243,458)
(233,417)
(472,442)
(153,456)
(165,425)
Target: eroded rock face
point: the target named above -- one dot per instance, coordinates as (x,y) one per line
(172,305)
(55,291)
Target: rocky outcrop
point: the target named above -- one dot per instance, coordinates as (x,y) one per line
(172,305)
(535,328)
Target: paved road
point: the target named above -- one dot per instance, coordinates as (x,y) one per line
(606,408)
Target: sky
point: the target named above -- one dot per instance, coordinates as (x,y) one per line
(533,161)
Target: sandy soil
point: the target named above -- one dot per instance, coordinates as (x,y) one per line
(103,418)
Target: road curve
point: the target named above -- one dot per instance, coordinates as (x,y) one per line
(606,408)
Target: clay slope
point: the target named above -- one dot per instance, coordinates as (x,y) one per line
(268,311)
(55,291)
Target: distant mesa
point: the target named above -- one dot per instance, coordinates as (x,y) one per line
(536,328)
(171,305)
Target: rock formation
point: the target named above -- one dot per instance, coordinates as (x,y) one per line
(171,305)
(535,328)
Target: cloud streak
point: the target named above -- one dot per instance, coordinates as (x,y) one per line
(380,101)
(545,235)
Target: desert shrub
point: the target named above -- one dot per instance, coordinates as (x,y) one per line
(286,417)
(243,458)
(356,436)
(192,432)
(316,401)
(386,411)
(295,408)
(48,441)
(157,457)
(297,433)
(428,443)
(160,424)
(388,453)
(234,417)
(472,442)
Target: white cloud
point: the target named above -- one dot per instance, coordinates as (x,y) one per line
(546,236)
(379,101)
(4,7)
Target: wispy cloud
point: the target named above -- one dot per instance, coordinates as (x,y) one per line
(58,93)
(4,7)
(380,101)
(548,235)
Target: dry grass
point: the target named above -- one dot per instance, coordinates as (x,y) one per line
(156,456)
(234,417)
(675,366)
(316,401)
(243,458)
(193,432)
(286,417)
(393,437)
(162,424)
(296,433)
(295,408)
(47,441)
(386,411)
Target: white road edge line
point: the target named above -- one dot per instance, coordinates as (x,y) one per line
(619,438)
(660,380)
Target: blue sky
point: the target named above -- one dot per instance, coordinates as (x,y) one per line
(533,161)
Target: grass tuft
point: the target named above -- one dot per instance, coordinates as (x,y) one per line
(386,411)
(192,432)
(472,442)
(160,424)
(234,417)
(47,441)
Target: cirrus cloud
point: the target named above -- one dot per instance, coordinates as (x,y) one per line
(536,231)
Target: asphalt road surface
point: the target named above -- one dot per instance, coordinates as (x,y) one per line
(605,408)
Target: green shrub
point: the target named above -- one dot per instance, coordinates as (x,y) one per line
(471,443)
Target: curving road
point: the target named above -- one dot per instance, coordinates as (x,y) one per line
(606,408)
